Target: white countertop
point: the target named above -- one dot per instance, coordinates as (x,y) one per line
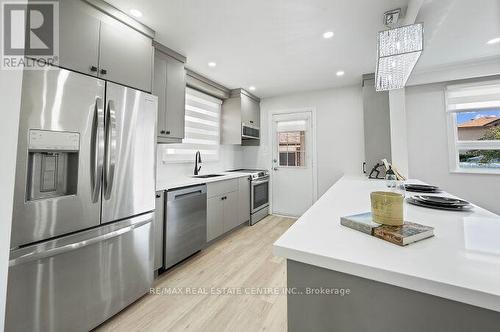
(184,181)
(461,262)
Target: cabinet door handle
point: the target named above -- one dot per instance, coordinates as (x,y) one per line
(162,132)
(104,71)
(251,121)
(168,132)
(93,69)
(158,196)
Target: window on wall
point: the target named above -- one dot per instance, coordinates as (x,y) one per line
(474,127)
(291,143)
(202,129)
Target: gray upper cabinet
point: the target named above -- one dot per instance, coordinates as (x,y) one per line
(95,43)
(125,56)
(241,109)
(160,90)
(250,110)
(78,37)
(169,84)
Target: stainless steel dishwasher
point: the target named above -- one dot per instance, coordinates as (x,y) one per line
(186,223)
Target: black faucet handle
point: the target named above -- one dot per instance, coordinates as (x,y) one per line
(197,162)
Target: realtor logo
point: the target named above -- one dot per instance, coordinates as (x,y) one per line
(30,36)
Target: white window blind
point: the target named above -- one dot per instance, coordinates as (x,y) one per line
(202,129)
(473,96)
(294,125)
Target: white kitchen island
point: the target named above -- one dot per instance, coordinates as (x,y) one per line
(451,278)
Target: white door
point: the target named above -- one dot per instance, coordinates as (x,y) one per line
(292,172)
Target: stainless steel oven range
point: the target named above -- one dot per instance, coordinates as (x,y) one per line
(259,193)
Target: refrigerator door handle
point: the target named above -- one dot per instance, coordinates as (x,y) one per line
(39,254)
(97,152)
(109,170)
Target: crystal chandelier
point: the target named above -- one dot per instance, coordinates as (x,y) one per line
(397,52)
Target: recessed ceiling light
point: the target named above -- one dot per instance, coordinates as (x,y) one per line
(252,88)
(494,41)
(212,64)
(328,34)
(136,13)
(340,73)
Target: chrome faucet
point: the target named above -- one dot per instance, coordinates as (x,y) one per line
(197,162)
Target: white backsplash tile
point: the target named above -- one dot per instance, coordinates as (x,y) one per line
(231,157)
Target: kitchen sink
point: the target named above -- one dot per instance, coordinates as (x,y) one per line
(206,176)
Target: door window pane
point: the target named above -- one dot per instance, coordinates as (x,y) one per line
(291,148)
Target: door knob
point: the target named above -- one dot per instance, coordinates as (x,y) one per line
(275,160)
(275,168)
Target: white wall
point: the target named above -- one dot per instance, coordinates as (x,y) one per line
(339,132)
(231,157)
(428,149)
(10,95)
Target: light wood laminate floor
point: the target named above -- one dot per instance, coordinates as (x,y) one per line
(242,262)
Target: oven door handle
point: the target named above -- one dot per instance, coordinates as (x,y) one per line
(266,179)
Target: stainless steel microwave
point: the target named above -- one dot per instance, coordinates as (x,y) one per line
(250,131)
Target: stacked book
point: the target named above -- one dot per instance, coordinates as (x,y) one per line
(402,235)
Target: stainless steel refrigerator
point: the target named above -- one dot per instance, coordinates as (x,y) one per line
(81,243)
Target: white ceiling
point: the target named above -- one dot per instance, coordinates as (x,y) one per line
(274,45)
(277,45)
(457,31)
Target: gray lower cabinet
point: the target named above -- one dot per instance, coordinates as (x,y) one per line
(231,219)
(244,199)
(159,224)
(169,84)
(215,217)
(223,207)
(94,43)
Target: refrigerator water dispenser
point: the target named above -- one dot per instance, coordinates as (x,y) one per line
(52,164)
